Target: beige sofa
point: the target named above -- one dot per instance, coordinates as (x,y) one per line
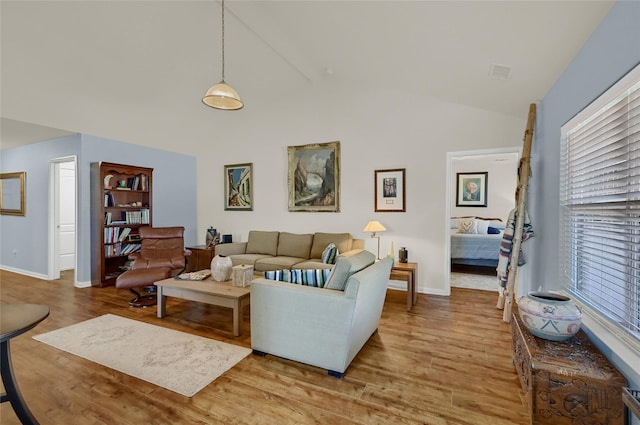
(274,250)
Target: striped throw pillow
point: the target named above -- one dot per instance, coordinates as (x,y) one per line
(308,277)
(330,253)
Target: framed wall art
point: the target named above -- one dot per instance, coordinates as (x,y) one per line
(238,187)
(13,193)
(390,190)
(314,177)
(471,189)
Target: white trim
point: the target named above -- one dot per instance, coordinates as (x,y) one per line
(29,273)
(610,95)
(619,342)
(400,285)
(24,272)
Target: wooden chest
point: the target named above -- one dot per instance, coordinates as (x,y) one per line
(566,383)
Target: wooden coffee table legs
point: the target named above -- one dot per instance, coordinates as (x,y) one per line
(237,304)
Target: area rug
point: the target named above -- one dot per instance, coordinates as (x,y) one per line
(175,360)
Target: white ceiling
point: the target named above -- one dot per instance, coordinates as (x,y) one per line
(115,68)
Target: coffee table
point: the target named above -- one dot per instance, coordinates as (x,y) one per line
(222,294)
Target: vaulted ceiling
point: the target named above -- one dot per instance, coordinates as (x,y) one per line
(94,66)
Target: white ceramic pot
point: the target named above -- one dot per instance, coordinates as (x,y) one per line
(550,316)
(221,268)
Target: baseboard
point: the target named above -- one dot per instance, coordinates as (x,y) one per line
(24,272)
(400,285)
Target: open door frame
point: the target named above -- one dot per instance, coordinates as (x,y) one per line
(450,185)
(53,263)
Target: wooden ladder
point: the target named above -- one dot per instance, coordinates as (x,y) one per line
(505,300)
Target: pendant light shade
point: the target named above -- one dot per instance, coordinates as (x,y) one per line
(222,95)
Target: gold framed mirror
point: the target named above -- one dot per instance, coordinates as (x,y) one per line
(12,193)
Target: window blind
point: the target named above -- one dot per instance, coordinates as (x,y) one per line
(600,204)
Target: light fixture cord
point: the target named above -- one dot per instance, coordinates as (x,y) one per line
(222,40)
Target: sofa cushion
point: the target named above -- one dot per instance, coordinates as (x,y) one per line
(261,242)
(276,263)
(320,241)
(312,263)
(330,254)
(247,259)
(308,277)
(347,266)
(294,245)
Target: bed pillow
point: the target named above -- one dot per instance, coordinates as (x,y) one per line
(455,221)
(483,227)
(468,226)
(497,224)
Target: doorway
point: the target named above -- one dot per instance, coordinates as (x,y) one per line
(500,200)
(62,216)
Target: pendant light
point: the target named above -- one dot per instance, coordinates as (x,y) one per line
(222,95)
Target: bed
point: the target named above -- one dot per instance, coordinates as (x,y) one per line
(476,244)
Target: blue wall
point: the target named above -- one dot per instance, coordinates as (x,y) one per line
(611,51)
(174,197)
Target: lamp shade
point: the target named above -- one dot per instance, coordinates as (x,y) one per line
(374,226)
(222,96)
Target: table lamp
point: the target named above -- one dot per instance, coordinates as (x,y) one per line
(374,227)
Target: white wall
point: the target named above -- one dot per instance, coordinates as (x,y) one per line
(377,130)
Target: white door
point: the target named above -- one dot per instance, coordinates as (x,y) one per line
(67,215)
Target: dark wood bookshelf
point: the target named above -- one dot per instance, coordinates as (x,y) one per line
(121,204)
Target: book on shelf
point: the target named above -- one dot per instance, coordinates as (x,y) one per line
(130,248)
(111,234)
(108,200)
(124,233)
(144,182)
(120,249)
(107,218)
(136,217)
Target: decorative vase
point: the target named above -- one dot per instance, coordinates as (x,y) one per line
(221,268)
(550,316)
(403,255)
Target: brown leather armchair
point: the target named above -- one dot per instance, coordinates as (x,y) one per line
(161,256)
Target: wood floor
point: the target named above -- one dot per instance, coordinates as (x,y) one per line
(446,362)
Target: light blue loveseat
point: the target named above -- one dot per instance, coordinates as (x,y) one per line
(319,326)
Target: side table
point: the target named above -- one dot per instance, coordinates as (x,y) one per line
(200,258)
(409,273)
(16,319)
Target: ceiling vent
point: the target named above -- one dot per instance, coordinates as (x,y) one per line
(499,72)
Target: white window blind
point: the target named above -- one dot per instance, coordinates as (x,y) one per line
(600,205)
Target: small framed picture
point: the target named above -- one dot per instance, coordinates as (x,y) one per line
(390,189)
(471,189)
(238,187)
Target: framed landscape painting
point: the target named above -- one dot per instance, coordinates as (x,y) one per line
(390,189)
(238,187)
(314,177)
(471,189)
